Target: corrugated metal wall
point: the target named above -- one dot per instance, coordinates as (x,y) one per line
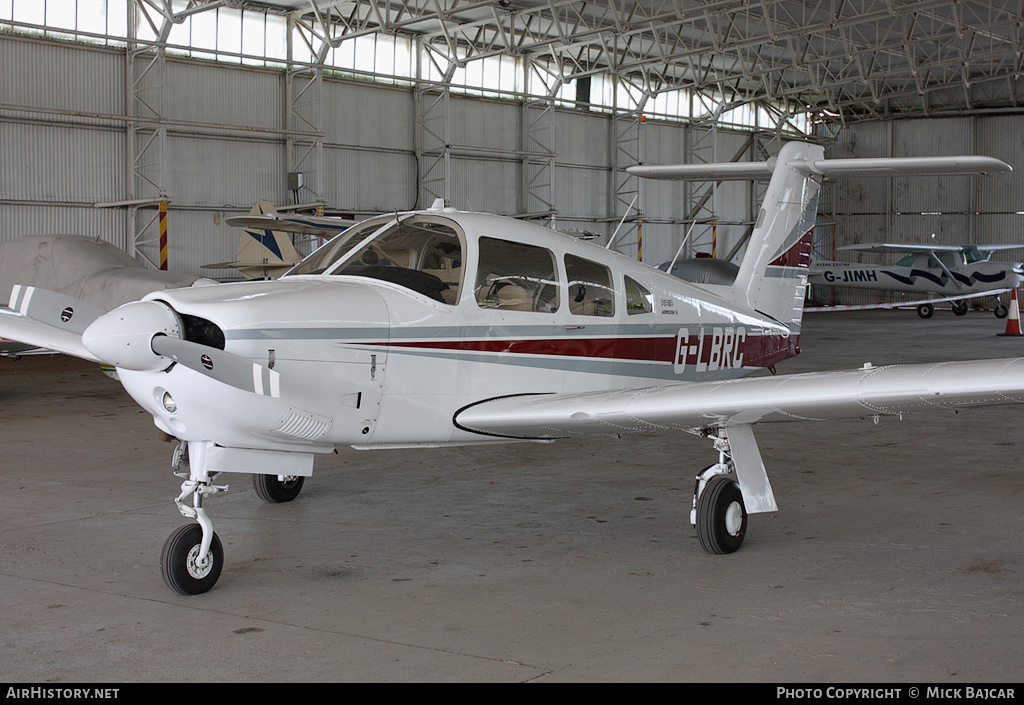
(226,147)
(63,149)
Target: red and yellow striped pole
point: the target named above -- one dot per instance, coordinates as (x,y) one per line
(163,235)
(640,239)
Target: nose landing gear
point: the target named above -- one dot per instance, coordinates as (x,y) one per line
(192,557)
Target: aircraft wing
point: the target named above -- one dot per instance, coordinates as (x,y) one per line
(900,247)
(887,391)
(997,248)
(901,304)
(19,327)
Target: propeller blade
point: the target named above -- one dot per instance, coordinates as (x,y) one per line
(222,366)
(53,309)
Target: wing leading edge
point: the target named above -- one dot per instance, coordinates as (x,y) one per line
(696,407)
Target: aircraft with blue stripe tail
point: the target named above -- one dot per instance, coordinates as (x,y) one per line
(265,247)
(439,327)
(952,273)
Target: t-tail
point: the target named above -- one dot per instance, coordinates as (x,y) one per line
(262,252)
(773,274)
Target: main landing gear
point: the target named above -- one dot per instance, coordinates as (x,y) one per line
(718,512)
(960,308)
(193,556)
(720,506)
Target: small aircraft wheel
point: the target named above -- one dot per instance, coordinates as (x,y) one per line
(1002,310)
(721,516)
(178,563)
(270,489)
(960,308)
(925,310)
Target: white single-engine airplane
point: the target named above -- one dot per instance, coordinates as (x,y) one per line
(439,328)
(953,272)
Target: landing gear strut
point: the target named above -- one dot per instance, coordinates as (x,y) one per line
(719,513)
(192,557)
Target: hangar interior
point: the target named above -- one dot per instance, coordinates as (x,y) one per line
(528,109)
(897,555)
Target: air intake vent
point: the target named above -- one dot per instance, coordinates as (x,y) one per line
(302,424)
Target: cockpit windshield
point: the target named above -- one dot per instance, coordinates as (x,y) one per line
(326,256)
(421,252)
(972,254)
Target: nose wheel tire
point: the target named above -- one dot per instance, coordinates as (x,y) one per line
(1002,310)
(180,565)
(274,490)
(721,516)
(925,310)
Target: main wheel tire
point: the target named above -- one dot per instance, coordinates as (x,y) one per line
(960,308)
(1002,310)
(178,561)
(275,491)
(925,310)
(721,516)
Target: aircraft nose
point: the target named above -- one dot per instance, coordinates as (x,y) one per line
(123,337)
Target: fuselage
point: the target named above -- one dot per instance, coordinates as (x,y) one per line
(921,274)
(380,341)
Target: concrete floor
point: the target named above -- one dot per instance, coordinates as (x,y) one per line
(895,556)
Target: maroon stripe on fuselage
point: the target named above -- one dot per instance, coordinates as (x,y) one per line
(756,351)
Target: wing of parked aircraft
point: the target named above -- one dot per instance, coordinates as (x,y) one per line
(906,248)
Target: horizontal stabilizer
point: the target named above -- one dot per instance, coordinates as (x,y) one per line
(835,168)
(728,171)
(886,391)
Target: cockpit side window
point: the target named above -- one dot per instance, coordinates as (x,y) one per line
(422,253)
(591,292)
(638,298)
(515,277)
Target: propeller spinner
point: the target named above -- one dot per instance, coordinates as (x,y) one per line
(147,336)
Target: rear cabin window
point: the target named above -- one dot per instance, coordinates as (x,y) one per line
(512,276)
(590,287)
(638,298)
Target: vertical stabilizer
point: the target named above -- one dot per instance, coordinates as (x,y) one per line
(773,274)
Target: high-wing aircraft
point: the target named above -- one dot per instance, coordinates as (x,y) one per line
(439,328)
(952,272)
(265,250)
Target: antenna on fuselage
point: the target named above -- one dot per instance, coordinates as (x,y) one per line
(681,246)
(616,233)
